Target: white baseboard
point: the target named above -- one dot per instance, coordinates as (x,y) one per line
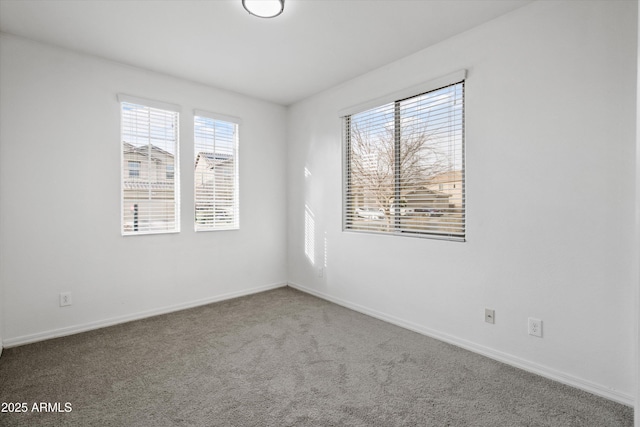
(55,333)
(509,359)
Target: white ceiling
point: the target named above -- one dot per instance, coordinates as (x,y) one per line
(313,45)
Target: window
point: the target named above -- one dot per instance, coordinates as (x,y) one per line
(404,166)
(134,169)
(149,147)
(216,172)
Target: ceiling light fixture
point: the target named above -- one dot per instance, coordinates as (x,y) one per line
(264,8)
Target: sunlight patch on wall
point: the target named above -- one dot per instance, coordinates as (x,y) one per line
(309,234)
(325,249)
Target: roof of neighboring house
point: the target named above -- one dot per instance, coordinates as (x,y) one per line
(212,158)
(444,177)
(142,185)
(130,148)
(423,190)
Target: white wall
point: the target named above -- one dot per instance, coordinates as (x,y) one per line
(60,197)
(637,235)
(1,303)
(550,131)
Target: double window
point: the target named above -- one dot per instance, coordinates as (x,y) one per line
(404,166)
(150,193)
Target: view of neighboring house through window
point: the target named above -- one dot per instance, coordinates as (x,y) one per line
(404,166)
(216,172)
(150,196)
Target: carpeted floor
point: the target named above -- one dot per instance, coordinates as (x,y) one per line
(280,358)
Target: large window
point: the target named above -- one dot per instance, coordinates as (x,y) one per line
(404,166)
(149,146)
(216,172)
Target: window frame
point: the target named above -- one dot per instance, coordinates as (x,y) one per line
(394,99)
(166,108)
(236,122)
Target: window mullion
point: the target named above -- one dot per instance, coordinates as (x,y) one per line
(150,212)
(348,201)
(397,135)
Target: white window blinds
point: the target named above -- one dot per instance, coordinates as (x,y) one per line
(216,173)
(404,166)
(150,196)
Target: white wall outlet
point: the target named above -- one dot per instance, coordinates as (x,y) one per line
(65,299)
(489,315)
(320,272)
(535,327)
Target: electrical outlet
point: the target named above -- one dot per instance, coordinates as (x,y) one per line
(489,315)
(535,327)
(320,272)
(65,299)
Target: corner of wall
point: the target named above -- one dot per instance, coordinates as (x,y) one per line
(637,234)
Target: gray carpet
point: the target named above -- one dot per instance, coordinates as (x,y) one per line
(280,358)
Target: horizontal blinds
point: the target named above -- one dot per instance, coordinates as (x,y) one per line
(408,92)
(218,116)
(149,169)
(216,174)
(160,105)
(405,166)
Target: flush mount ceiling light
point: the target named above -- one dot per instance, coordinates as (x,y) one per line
(264,8)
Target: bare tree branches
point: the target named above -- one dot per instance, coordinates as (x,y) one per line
(373,158)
